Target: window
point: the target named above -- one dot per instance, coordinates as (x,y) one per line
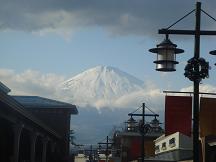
(172,142)
(157,148)
(164,146)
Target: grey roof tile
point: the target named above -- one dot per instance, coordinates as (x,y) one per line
(40,102)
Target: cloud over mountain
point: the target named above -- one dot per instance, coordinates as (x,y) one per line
(101,86)
(118,17)
(31,82)
(206,88)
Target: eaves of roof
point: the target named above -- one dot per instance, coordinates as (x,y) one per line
(40,102)
(16,106)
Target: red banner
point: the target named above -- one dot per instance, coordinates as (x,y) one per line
(207,116)
(178,114)
(134,151)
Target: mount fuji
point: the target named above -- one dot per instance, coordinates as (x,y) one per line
(111,91)
(100,86)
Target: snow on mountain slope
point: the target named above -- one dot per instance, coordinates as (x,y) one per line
(100,86)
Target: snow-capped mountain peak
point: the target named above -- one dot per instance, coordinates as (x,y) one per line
(100,84)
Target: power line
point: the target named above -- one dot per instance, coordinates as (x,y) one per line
(136,110)
(150,110)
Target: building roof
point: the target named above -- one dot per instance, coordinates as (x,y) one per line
(4,88)
(170,135)
(19,108)
(40,102)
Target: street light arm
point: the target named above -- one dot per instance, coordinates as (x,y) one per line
(130,114)
(103,143)
(208,15)
(186,32)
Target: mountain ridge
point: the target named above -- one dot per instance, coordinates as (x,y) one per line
(101,84)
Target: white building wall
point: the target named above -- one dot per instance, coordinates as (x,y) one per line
(81,158)
(186,142)
(181,142)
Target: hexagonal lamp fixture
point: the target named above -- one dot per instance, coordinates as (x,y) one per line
(166,55)
(155,123)
(131,124)
(213,53)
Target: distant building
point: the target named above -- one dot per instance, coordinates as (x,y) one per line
(174,147)
(81,158)
(127,143)
(208,128)
(33,129)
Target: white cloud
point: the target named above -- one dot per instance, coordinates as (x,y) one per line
(139,97)
(205,88)
(31,82)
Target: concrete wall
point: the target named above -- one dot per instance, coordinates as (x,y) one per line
(182,142)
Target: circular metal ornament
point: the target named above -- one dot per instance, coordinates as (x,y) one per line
(197,69)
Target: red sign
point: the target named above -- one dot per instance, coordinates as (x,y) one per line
(178,115)
(134,151)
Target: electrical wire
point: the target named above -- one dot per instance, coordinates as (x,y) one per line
(150,110)
(136,110)
(208,15)
(180,19)
(145,107)
(103,140)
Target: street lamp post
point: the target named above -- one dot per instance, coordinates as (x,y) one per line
(143,129)
(196,69)
(107,143)
(143,134)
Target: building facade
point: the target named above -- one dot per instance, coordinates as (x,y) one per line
(27,137)
(128,143)
(176,147)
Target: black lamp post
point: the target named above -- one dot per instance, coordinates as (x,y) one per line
(196,69)
(107,143)
(143,129)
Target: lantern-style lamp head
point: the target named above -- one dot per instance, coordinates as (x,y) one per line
(213,53)
(166,55)
(131,124)
(99,149)
(155,123)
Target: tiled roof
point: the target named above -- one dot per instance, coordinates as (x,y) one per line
(19,109)
(40,102)
(4,88)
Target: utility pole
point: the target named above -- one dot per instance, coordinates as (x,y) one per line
(107,153)
(107,147)
(143,132)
